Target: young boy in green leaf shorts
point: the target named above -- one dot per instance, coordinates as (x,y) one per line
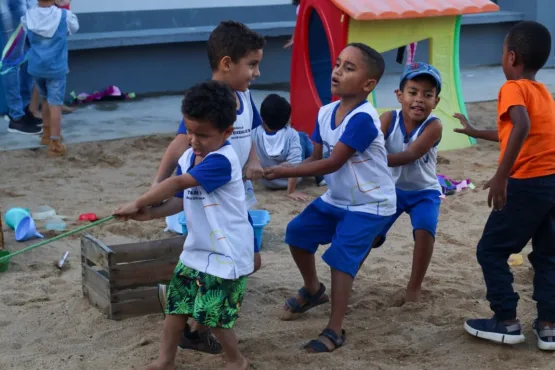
(210,279)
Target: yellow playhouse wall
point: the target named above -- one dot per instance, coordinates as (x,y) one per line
(391,34)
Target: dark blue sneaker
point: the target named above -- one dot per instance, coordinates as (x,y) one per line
(546,337)
(495,331)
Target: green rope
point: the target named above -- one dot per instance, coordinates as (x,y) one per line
(61,236)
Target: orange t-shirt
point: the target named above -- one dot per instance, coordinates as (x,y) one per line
(537,155)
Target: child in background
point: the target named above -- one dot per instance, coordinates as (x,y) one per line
(47,29)
(349,151)
(522,191)
(412,135)
(234,53)
(210,280)
(277,143)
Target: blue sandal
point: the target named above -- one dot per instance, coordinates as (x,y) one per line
(317,346)
(310,301)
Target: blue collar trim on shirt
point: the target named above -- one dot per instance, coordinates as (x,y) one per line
(333,126)
(241,105)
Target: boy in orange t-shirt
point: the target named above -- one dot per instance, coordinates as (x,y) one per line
(522,191)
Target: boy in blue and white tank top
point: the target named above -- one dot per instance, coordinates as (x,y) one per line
(349,151)
(209,282)
(412,135)
(47,29)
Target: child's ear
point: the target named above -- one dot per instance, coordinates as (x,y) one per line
(437,101)
(512,58)
(225,64)
(228,131)
(399,94)
(370,85)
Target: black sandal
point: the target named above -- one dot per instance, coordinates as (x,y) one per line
(310,301)
(317,346)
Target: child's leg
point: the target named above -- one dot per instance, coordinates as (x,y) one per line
(313,227)
(307,148)
(55,99)
(55,120)
(542,259)
(173,327)
(221,312)
(507,232)
(352,240)
(235,360)
(40,86)
(424,213)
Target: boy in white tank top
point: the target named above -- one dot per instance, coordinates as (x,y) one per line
(349,151)
(412,135)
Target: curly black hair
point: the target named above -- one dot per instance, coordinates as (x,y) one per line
(531,42)
(374,60)
(211,101)
(275,112)
(232,39)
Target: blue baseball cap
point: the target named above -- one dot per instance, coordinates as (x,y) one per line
(418,69)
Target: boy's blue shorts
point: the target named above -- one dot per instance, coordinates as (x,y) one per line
(422,207)
(350,233)
(52,90)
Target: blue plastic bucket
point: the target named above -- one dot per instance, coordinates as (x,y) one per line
(183,222)
(260,219)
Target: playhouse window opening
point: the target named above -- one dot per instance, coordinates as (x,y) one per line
(320,60)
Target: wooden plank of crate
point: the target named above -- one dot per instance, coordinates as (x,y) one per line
(136,307)
(95,280)
(97,300)
(95,251)
(131,294)
(144,251)
(142,273)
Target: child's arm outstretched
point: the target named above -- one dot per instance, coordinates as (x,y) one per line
(422,145)
(498,184)
(468,129)
(143,208)
(359,134)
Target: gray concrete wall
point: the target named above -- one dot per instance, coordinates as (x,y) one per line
(162,51)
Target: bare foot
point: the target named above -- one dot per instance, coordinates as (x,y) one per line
(243,364)
(412,296)
(159,365)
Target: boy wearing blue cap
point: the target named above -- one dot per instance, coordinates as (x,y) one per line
(412,135)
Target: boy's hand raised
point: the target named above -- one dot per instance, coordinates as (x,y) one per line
(467,128)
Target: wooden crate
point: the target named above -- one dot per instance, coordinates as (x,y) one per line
(121,280)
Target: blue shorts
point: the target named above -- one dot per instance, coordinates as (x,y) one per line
(423,208)
(350,233)
(53,90)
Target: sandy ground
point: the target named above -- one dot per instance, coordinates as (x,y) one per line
(45,323)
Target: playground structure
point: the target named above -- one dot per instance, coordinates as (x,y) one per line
(325,27)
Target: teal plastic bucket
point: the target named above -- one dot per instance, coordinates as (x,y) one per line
(15,215)
(260,218)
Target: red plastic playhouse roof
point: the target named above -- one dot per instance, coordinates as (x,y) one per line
(367,10)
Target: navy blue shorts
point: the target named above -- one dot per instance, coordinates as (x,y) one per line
(422,207)
(350,233)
